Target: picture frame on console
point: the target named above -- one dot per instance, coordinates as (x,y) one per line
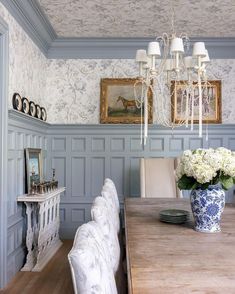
(117,101)
(211,100)
(33,167)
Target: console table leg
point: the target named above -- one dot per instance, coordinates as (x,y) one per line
(30,242)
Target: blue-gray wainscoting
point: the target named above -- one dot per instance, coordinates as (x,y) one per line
(22,133)
(83,155)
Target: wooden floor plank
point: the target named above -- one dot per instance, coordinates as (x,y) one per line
(55,278)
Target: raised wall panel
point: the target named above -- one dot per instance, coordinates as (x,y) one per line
(78,144)
(10,242)
(134,176)
(11,140)
(231,144)
(215,142)
(11,188)
(62,215)
(117,144)
(117,172)
(97,175)
(59,144)
(195,143)
(78,215)
(27,141)
(176,144)
(136,145)
(59,164)
(98,144)
(78,176)
(157,144)
(20,141)
(20,177)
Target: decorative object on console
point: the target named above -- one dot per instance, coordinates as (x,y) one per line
(17,101)
(211,102)
(25,106)
(32,108)
(33,168)
(207,172)
(173,66)
(118,104)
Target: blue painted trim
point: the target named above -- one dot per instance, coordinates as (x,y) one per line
(125,48)
(30,16)
(4,64)
(32,19)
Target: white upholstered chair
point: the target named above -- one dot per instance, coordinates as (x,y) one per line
(110,187)
(157,178)
(107,194)
(89,261)
(101,214)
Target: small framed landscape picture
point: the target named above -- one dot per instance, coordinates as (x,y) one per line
(118,103)
(33,166)
(211,102)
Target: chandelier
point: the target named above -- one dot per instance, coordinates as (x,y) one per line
(165,65)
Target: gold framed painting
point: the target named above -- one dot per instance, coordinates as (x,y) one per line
(211,102)
(118,104)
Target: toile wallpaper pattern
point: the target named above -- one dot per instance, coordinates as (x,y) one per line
(70,89)
(27,64)
(73,87)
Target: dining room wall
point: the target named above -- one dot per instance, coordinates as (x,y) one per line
(27,64)
(72,93)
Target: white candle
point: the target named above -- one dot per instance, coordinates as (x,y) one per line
(200,105)
(145,116)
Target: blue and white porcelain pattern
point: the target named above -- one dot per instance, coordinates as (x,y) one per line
(207,207)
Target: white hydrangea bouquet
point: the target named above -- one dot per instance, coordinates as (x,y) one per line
(204,167)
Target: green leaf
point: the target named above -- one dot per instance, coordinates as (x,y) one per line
(186,183)
(226,181)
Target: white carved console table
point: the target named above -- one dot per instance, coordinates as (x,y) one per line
(43,222)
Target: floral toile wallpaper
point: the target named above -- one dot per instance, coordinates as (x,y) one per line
(73,87)
(70,89)
(26,63)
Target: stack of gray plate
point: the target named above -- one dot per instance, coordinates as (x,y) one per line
(174,216)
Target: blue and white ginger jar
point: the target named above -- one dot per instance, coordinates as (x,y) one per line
(207,207)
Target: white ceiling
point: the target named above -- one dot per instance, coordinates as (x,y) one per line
(140,18)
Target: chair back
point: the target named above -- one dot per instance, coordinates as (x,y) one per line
(89,262)
(102,216)
(157,178)
(110,187)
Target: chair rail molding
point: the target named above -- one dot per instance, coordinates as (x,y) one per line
(4,44)
(30,16)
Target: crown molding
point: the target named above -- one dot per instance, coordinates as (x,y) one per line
(32,19)
(36,24)
(125,48)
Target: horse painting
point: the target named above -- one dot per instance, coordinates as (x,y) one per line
(127,103)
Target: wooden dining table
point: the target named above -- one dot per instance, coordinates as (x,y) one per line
(169,258)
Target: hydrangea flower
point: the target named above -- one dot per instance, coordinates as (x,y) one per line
(206,166)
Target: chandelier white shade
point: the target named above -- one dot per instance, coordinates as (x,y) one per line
(166,62)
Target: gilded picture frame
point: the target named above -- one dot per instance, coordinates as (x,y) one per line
(117,101)
(34,167)
(211,102)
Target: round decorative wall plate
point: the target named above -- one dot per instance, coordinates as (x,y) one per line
(44,114)
(32,108)
(38,111)
(17,102)
(25,106)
